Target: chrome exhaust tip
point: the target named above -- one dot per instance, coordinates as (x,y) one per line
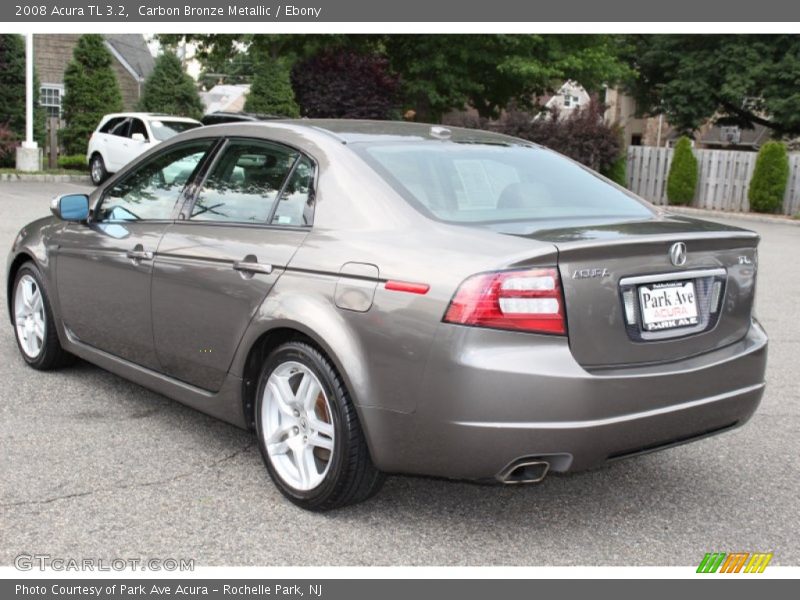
(524,470)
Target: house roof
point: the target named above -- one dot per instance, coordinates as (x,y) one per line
(225,98)
(735,136)
(131,49)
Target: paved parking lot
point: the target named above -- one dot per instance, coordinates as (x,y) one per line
(94,466)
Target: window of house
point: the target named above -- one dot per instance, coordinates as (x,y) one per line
(571,101)
(50,96)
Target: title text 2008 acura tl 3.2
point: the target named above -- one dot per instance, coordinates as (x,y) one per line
(380,298)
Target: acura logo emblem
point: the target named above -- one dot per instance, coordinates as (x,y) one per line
(677,254)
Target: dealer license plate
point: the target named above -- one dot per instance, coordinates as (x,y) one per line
(668,305)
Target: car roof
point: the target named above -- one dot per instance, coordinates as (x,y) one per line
(149,115)
(350,131)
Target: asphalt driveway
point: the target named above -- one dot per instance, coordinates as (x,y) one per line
(95,466)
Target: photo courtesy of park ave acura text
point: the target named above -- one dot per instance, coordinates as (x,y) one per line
(372,299)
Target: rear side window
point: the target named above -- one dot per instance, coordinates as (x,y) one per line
(296,204)
(484,183)
(121,128)
(163,130)
(110,124)
(244,183)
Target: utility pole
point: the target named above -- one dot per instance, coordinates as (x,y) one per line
(28,152)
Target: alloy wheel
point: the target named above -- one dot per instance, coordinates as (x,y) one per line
(298,426)
(29,316)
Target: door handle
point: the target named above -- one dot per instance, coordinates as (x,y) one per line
(251,266)
(139,253)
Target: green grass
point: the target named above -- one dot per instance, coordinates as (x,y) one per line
(45,172)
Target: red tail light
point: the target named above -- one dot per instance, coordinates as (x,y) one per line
(528,300)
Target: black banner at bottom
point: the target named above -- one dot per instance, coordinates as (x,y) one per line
(386,589)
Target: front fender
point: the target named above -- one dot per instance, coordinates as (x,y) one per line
(34,242)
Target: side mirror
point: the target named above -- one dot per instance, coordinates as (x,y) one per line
(138,137)
(71,207)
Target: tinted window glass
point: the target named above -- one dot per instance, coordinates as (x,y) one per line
(110,124)
(137,126)
(151,191)
(296,206)
(121,128)
(482,183)
(163,130)
(244,183)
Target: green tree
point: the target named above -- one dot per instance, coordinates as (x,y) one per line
(12,93)
(682,178)
(736,79)
(90,91)
(169,89)
(768,183)
(442,72)
(271,91)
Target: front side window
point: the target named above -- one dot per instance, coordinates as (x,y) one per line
(485,183)
(151,190)
(137,126)
(244,183)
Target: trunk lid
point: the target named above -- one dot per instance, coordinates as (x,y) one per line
(628,302)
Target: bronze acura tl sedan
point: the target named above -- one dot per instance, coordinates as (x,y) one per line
(377,297)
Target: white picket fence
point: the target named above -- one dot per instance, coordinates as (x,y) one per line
(724,176)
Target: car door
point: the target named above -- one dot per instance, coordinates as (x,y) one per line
(137,140)
(215,266)
(115,155)
(104,267)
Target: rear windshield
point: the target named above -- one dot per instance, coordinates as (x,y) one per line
(485,183)
(163,130)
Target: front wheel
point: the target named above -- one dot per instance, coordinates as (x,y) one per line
(308,432)
(34,327)
(97,168)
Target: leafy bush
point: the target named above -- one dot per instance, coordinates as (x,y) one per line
(617,171)
(583,134)
(682,178)
(8,142)
(169,89)
(769,178)
(271,92)
(73,162)
(345,84)
(90,91)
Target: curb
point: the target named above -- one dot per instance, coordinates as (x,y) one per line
(720,214)
(45,178)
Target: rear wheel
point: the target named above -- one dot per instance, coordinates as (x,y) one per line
(97,168)
(308,431)
(34,327)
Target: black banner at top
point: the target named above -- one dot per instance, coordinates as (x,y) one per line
(441,11)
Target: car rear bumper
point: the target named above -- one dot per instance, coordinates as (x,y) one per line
(492,398)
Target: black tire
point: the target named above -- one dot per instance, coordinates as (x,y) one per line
(97,169)
(51,355)
(351,476)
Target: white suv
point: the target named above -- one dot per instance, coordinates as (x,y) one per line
(121,137)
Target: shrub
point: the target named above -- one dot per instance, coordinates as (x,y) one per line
(342,84)
(8,142)
(583,135)
(682,178)
(271,92)
(768,183)
(90,91)
(617,171)
(73,162)
(169,89)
